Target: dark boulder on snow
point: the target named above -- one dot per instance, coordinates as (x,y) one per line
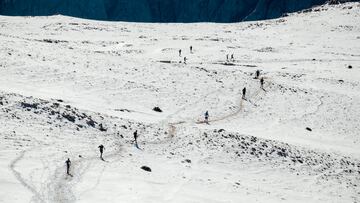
(157,109)
(165,61)
(146,168)
(282,153)
(102,128)
(91,123)
(308,129)
(29,105)
(69,117)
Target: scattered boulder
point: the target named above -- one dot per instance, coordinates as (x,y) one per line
(282,153)
(101,128)
(350,67)
(228,64)
(53,41)
(308,129)
(28,105)
(157,109)
(69,117)
(55,105)
(91,123)
(187,161)
(146,168)
(163,61)
(123,110)
(221,130)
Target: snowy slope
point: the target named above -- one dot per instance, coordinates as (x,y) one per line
(68,85)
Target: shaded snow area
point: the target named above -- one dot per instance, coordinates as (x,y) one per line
(69,85)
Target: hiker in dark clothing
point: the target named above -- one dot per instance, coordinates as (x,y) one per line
(101,148)
(135,137)
(68,163)
(244,93)
(257,74)
(206,117)
(185,59)
(191,49)
(262,83)
(179,52)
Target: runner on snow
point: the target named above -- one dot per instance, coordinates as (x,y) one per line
(135,138)
(101,148)
(206,117)
(68,163)
(257,74)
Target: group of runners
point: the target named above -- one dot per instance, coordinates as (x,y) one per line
(231,57)
(185,59)
(257,76)
(101,150)
(206,115)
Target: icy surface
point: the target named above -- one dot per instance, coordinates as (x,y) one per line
(68,85)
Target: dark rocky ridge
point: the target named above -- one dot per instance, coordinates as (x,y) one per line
(223,11)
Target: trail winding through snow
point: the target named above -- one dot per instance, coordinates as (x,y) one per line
(21,179)
(172,126)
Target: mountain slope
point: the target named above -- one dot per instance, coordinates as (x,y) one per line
(68,85)
(158,10)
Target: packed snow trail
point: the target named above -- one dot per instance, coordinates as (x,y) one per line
(17,174)
(172,126)
(240,107)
